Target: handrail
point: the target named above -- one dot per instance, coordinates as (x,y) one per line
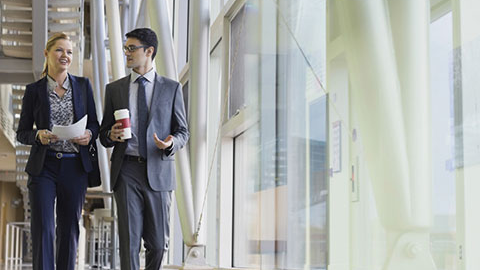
(103,195)
(6,124)
(14,244)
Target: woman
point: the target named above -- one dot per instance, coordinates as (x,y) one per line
(57,169)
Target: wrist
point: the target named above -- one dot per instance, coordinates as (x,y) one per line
(37,137)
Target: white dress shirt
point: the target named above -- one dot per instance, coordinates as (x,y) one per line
(132,146)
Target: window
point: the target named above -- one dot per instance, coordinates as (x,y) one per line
(181,33)
(214,117)
(302,128)
(443,233)
(237,62)
(186,101)
(280,161)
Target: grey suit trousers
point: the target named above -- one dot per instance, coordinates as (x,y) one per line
(142,213)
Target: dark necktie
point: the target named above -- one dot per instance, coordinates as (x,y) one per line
(142,111)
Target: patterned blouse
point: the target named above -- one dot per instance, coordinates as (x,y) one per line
(61,112)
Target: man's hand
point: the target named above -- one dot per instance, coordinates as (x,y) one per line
(84,139)
(163,144)
(116,132)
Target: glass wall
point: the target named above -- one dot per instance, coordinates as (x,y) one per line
(214,139)
(302,133)
(278,103)
(278,116)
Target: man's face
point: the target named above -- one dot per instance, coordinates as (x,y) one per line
(138,57)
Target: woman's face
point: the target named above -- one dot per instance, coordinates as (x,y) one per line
(59,57)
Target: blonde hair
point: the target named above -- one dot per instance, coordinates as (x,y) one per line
(50,42)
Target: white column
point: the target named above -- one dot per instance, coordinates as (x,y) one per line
(100,69)
(166,66)
(387,57)
(369,48)
(115,39)
(199,64)
(143,20)
(99,53)
(125,17)
(410,22)
(160,23)
(133,14)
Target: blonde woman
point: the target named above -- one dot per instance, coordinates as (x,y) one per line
(57,169)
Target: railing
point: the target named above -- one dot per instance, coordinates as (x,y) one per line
(6,124)
(14,239)
(102,241)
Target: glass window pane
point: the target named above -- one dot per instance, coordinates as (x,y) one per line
(182,39)
(280,163)
(213,132)
(443,234)
(237,63)
(302,133)
(186,93)
(247,198)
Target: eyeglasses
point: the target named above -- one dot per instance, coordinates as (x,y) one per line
(133,48)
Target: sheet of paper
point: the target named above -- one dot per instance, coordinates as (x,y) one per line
(71,131)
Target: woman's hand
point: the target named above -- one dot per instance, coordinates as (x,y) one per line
(82,140)
(46,137)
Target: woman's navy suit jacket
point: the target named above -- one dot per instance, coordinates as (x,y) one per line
(36,110)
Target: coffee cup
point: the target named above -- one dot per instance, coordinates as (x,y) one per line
(123,116)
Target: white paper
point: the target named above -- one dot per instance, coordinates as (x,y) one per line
(71,131)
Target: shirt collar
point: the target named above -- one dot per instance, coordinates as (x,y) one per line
(52,84)
(150,76)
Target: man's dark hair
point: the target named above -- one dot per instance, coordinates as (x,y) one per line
(146,36)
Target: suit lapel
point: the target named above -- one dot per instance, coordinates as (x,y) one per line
(44,101)
(157,90)
(78,106)
(124,92)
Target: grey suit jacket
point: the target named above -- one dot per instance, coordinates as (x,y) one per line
(167,116)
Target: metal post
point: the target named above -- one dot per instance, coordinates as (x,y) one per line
(113,236)
(7,246)
(92,245)
(39,35)
(17,247)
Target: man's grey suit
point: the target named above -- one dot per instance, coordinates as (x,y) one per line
(139,187)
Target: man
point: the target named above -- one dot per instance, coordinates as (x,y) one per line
(143,167)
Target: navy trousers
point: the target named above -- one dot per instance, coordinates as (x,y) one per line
(66,181)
